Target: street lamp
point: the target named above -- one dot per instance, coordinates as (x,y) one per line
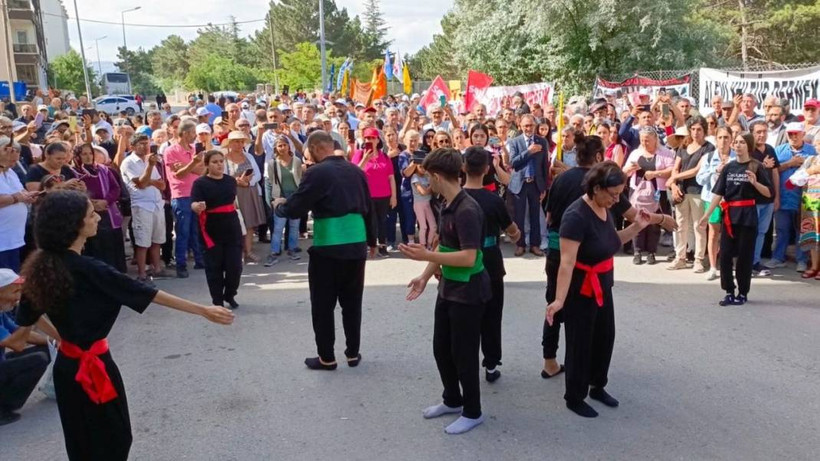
(97,45)
(123,23)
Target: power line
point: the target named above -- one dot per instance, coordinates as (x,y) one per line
(175,26)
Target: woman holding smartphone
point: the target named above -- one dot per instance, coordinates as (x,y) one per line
(380,180)
(497,174)
(242,167)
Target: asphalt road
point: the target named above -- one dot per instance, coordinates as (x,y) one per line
(695,381)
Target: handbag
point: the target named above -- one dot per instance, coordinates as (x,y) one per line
(644,196)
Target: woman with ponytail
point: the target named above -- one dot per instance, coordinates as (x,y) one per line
(82,297)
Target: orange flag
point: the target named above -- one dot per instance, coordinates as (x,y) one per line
(379,83)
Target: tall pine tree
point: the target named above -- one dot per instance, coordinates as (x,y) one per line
(375,30)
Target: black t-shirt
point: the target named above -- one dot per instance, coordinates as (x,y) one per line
(37,172)
(767,153)
(689,161)
(223,228)
(599,241)
(733,184)
(461,227)
(496,218)
(99,291)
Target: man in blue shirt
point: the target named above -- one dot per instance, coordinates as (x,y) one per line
(21,370)
(213,108)
(790,156)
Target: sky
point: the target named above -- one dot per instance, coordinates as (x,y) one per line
(411,25)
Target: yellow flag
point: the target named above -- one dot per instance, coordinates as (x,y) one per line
(559,153)
(408,84)
(345,82)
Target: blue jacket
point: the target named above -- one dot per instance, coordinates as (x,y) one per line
(521,159)
(790,198)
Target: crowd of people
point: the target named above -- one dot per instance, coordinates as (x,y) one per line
(723,190)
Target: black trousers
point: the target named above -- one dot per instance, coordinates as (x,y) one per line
(262,229)
(333,280)
(491,326)
(456,337)
(223,270)
(552,333)
(19,374)
(647,239)
(167,248)
(590,333)
(382,206)
(529,199)
(742,247)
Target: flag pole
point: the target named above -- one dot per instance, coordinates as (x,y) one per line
(559,152)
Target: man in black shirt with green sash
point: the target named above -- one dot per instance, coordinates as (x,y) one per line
(336,192)
(463,292)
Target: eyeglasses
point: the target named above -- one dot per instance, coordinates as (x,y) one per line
(613,195)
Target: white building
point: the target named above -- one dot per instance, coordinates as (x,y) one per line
(23,43)
(55,28)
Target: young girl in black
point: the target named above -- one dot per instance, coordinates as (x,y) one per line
(740,184)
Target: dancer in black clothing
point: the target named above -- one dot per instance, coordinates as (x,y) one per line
(82,297)
(462,293)
(337,193)
(496,218)
(739,187)
(566,189)
(212,198)
(588,242)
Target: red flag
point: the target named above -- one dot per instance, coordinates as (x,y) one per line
(437,89)
(476,84)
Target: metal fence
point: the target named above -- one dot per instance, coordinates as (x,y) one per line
(695,76)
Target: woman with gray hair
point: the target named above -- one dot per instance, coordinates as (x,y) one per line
(13,210)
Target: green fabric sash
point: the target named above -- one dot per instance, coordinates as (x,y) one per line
(490,241)
(461,274)
(553,238)
(340,230)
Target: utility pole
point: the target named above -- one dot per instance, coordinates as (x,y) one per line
(743,34)
(82,52)
(8,47)
(273,51)
(322,43)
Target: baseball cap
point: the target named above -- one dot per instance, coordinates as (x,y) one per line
(340,102)
(795,127)
(323,118)
(812,103)
(283,107)
(245,105)
(203,128)
(681,131)
(218,121)
(144,129)
(370,132)
(203,112)
(9,277)
(42,107)
(17,126)
(358,104)
(415,96)
(370,109)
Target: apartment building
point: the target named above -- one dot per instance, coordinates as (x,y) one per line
(23,45)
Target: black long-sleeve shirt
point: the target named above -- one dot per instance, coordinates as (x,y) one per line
(330,189)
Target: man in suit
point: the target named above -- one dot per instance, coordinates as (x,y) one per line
(528,183)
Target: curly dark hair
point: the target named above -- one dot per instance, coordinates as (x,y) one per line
(57,225)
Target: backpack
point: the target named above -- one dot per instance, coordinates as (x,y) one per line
(644,196)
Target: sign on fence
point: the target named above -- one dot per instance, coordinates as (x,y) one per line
(492,97)
(638,83)
(797,86)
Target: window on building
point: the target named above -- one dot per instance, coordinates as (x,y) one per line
(22,37)
(27,73)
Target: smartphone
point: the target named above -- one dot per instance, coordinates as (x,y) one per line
(247,173)
(494,141)
(665,110)
(738,92)
(225,115)
(662,90)
(153,149)
(72,122)
(199,147)
(38,120)
(271,126)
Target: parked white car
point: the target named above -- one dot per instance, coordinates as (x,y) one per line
(115,104)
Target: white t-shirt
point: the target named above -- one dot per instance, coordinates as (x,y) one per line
(149,198)
(12,217)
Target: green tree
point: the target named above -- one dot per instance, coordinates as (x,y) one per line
(302,68)
(216,72)
(169,60)
(375,30)
(66,72)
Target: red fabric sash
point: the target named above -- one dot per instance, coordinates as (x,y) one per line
(727,221)
(203,219)
(592,284)
(91,374)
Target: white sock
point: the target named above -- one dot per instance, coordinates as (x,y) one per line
(462,425)
(490,370)
(439,410)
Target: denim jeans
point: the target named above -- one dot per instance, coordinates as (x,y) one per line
(784,226)
(186,228)
(764,218)
(407,222)
(279,229)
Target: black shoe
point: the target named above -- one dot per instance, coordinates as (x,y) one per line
(198,266)
(599,394)
(232,303)
(546,375)
(582,408)
(182,273)
(8,417)
(690,256)
(637,260)
(728,300)
(670,257)
(740,300)
(651,259)
(383,252)
(354,362)
(492,376)
(315,364)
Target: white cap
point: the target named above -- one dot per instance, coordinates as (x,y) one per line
(9,277)
(203,112)
(681,131)
(415,96)
(283,107)
(203,128)
(245,105)
(42,107)
(795,127)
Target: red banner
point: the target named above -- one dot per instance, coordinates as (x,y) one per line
(477,83)
(437,89)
